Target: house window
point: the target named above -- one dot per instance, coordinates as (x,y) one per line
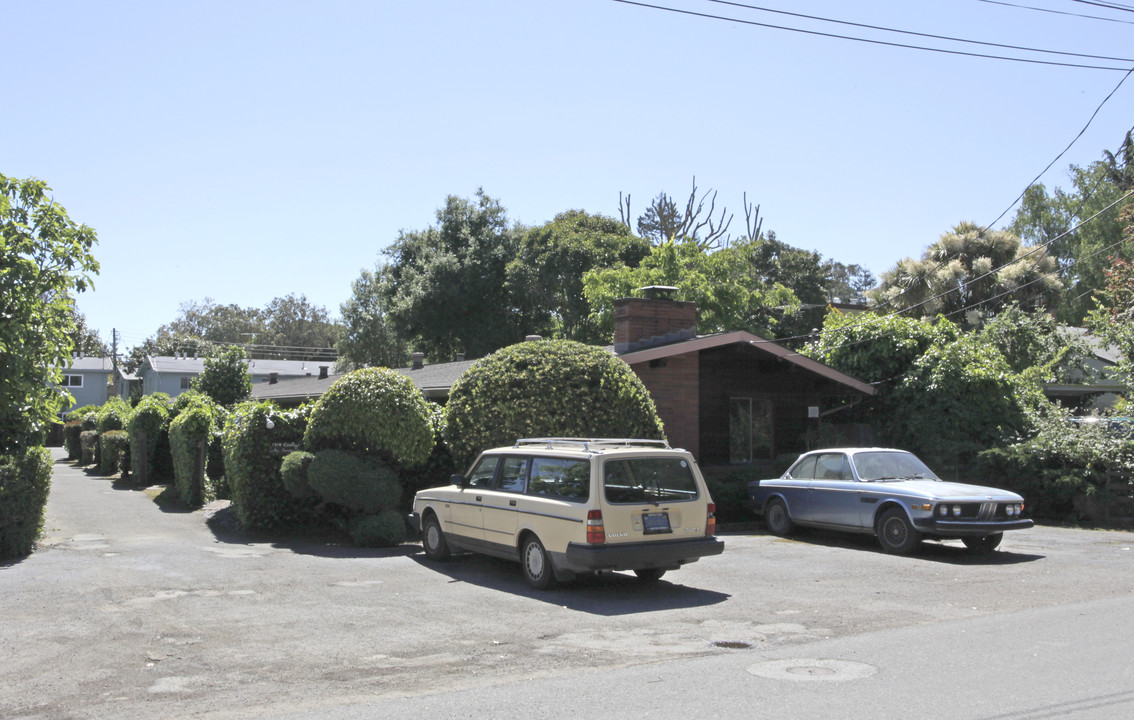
(749,430)
(186,383)
(72,381)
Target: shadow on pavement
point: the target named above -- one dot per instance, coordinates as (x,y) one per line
(606,593)
(950,551)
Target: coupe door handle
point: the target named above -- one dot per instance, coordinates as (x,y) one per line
(512,503)
(479,498)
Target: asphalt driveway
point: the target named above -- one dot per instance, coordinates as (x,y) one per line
(130,611)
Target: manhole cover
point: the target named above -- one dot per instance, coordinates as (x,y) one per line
(809,669)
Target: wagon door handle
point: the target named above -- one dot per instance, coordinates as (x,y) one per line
(512,503)
(479,498)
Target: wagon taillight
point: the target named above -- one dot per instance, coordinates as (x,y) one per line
(596,533)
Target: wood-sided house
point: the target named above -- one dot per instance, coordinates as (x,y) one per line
(729,397)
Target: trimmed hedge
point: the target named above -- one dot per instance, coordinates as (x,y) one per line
(71,431)
(151,417)
(25,482)
(364,485)
(373,411)
(252,457)
(384,529)
(195,425)
(115,448)
(88,441)
(293,470)
(546,388)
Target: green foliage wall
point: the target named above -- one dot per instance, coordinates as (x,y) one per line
(151,417)
(71,431)
(193,427)
(1064,463)
(25,481)
(940,394)
(543,388)
(373,411)
(114,455)
(362,484)
(253,452)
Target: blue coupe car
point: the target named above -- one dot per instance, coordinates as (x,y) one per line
(890,493)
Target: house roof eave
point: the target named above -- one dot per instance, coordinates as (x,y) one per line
(743,337)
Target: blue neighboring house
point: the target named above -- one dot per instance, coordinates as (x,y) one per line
(88,379)
(174,375)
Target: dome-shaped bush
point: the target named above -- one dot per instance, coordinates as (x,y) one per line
(546,388)
(361,484)
(375,411)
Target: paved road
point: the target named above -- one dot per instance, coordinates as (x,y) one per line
(128,611)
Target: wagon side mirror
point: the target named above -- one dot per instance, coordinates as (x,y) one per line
(457,480)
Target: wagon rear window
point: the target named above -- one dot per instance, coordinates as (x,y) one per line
(648,480)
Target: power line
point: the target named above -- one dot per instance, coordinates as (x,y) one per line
(1075,140)
(1056,12)
(1108,5)
(871,41)
(918,34)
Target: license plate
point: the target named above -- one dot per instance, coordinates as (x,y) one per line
(653,523)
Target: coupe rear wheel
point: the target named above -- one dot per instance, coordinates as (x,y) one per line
(777,518)
(433,540)
(984,544)
(536,564)
(896,534)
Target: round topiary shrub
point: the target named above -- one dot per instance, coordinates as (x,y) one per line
(360,484)
(376,411)
(293,470)
(383,529)
(546,388)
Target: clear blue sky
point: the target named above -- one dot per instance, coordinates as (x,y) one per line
(243,151)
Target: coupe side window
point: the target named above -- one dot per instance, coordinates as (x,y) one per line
(831,466)
(804,469)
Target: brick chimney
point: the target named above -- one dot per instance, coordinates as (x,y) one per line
(417,360)
(652,320)
(323,371)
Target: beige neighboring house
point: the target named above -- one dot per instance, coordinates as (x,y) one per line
(1101,390)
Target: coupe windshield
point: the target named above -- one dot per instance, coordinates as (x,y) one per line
(891,466)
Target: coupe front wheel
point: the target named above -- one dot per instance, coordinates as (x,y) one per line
(984,544)
(896,533)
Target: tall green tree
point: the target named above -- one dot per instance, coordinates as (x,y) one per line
(45,259)
(968,274)
(546,277)
(216,323)
(728,293)
(293,323)
(1112,318)
(447,285)
(369,338)
(1059,220)
(225,377)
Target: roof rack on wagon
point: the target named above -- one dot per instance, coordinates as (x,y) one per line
(591,444)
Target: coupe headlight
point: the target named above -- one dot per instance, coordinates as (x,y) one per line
(943,510)
(956,511)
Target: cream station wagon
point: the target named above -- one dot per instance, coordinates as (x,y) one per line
(565,506)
